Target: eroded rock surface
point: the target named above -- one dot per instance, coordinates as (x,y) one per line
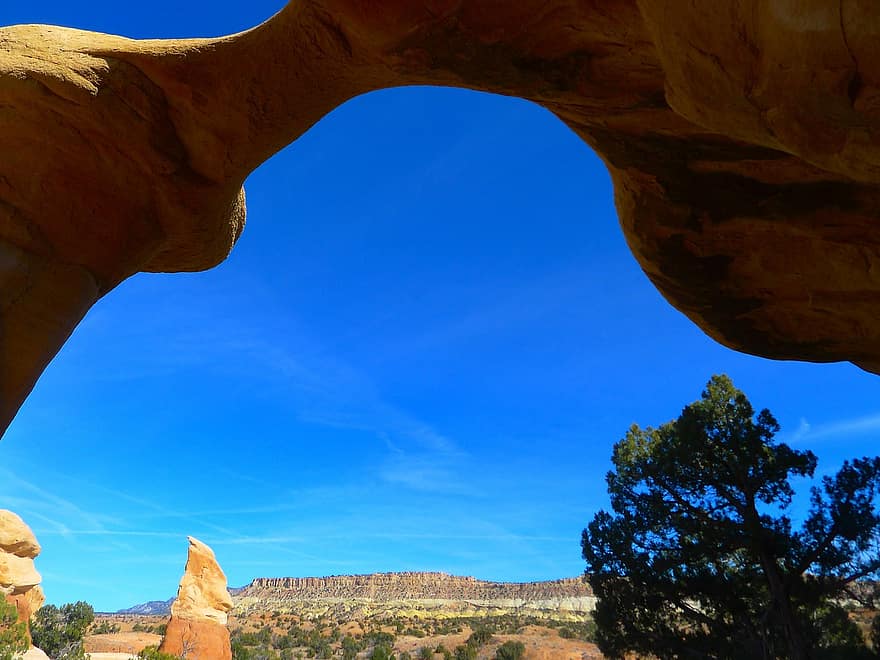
(197,628)
(410,591)
(741,136)
(19,579)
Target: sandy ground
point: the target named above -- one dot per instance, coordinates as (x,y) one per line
(541,643)
(119,645)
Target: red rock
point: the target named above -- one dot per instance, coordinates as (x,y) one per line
(197,640)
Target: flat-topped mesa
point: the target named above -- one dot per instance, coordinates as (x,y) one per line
(409,591)
(19,579)
(742,137)
(197,628)
(414,586)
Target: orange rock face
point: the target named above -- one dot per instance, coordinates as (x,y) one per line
(199,640)
(741,137)
(197,628)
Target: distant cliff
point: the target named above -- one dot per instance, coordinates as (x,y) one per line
(426,589)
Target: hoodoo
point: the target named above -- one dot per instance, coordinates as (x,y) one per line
(19,579)
(197,628)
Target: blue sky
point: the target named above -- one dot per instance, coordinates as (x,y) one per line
(418,357)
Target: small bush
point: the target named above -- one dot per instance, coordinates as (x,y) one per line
(510,651)
(152,653)
(13,638)
(465,652)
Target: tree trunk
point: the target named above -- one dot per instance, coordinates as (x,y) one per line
(797,648)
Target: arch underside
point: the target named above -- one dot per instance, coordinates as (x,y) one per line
(741,137)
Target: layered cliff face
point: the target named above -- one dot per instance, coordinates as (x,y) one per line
(741,136)
(197,628)
(412,590)
(19,579)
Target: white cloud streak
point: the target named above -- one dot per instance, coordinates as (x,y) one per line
(854,426)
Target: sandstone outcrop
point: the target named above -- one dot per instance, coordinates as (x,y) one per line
(197,628)
(19,579)
(741,136)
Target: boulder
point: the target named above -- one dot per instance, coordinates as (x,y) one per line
(16,537)
(742,137)
(197,627)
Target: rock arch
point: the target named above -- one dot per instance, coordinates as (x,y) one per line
(741,137)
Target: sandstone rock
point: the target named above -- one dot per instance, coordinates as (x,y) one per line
(19,579)
(18,547)
(197,626)
(16,537)
(28,602)
(17,573)
(741,136)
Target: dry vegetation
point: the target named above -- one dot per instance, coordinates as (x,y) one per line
(295,636)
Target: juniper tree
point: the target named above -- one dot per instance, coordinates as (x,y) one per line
(699,556)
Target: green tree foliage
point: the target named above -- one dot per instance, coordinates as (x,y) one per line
(875,633)
(465,652)
(59,631)
(104,628)
(350,647)
(152,653)
(381,652)
(510,651)
(13,634)
(700,558)
(479,637)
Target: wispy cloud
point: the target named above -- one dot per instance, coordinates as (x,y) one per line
(853,426)
(327,390)
(802,430)
(432,473)
(64,511)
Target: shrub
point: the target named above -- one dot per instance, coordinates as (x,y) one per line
(465,652)
(381,652)
(152,653)
(59,631)
(13,635)
(510,651)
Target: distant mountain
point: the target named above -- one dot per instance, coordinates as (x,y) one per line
(154,608)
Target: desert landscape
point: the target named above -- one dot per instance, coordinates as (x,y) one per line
(407,613)
(493,249)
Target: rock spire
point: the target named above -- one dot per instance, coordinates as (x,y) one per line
(197,628)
